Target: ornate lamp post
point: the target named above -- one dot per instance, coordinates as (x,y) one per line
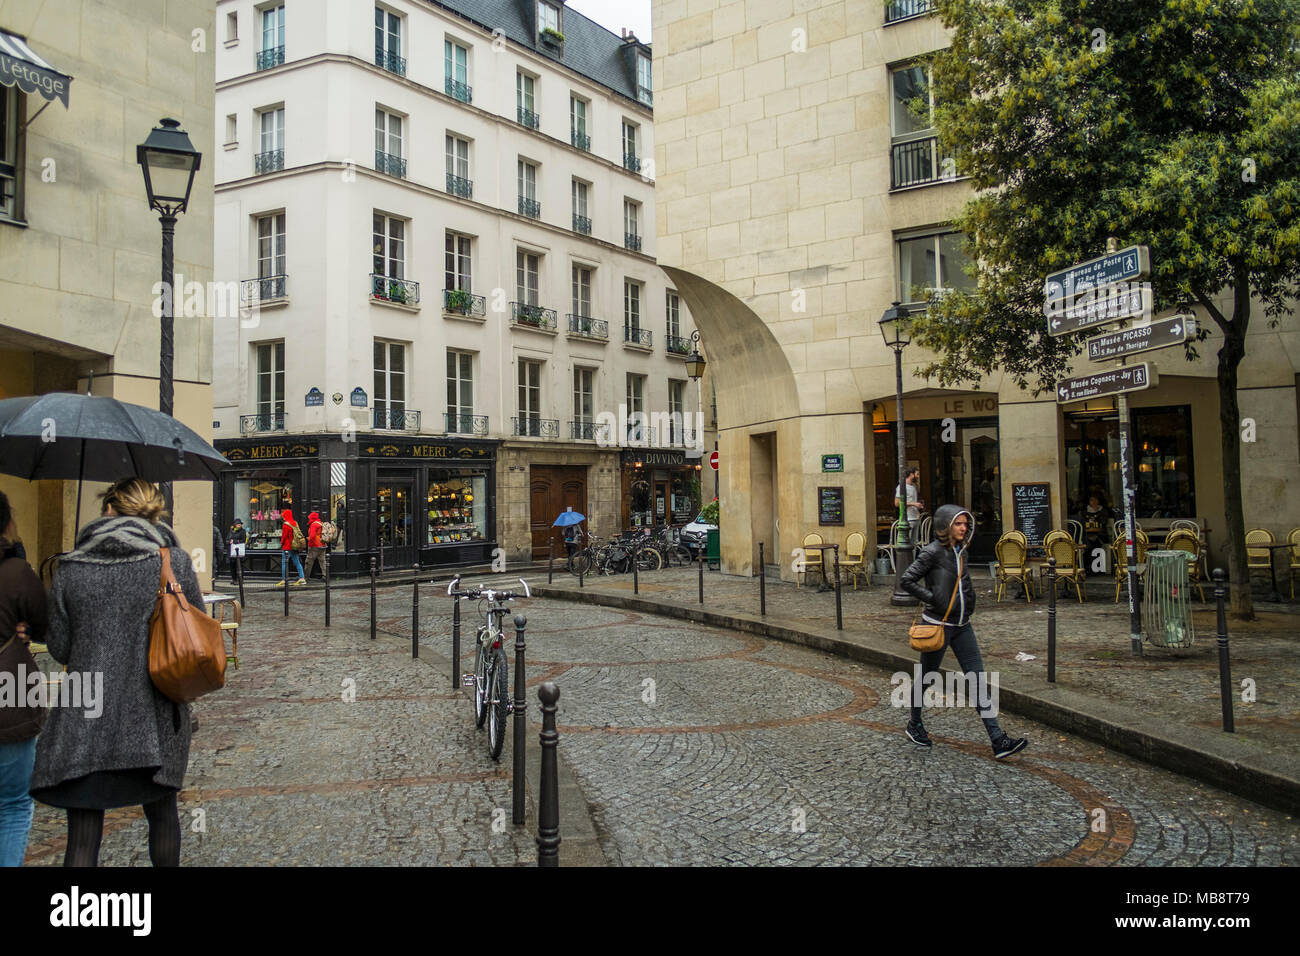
(695,369)
(896,329)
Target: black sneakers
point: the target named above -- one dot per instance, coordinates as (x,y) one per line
(1004,746)
(916,733)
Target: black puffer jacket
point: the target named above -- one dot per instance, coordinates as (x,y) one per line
(933,575)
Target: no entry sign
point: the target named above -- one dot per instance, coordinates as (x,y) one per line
(713,460)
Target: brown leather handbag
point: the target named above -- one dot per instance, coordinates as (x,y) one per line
(931,637)
(187,655)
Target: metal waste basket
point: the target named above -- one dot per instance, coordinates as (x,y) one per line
(1167,600)
(712,550)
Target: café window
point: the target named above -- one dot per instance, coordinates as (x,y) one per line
(260,500)
(1163,462)
(457,505)
(11,159)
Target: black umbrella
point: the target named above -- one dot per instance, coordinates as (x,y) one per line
(67,435)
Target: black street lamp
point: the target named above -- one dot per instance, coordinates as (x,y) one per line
(895,326)
(169,161)
(695,361)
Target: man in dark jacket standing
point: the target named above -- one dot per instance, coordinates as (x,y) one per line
(238,536)
(940,579)
(22,602)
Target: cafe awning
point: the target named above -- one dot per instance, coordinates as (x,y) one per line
(20,66)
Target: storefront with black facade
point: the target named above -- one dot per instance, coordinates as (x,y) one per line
(659,487)
(401,501)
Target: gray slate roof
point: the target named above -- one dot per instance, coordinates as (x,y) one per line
(588,49)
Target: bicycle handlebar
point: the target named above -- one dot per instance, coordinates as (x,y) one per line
(489,593)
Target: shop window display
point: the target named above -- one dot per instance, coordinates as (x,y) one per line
(457,507)
(260,502)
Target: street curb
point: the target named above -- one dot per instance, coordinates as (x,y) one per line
(1222,760)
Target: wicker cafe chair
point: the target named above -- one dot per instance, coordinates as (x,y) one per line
(1185,524)
(1012,566)
(812,560)
(1293,539)
(1076,530)
(1257,558)
(926,533)
(855,558)
(1187,540)
(1067,562)
(1119,557)
(887,549)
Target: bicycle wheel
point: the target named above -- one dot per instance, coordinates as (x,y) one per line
(648,559)
(498,703)
(479,690)
(580,563)
(677,556)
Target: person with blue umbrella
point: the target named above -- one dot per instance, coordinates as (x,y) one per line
(570,521)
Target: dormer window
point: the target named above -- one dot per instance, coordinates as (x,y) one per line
(644,90)
(548,19)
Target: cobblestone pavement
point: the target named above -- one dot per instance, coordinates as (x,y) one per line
(692,745)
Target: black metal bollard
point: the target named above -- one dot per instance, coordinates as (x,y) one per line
(636,584)
(372,599)
(1051,620)
(326,558)
(550,560)
(582,569)
(762,582)
(521,721)
(701,564)
(239,575)
(286,587)
(455,643)
(839,609)
(548,810)
(1225,667)
(415,611)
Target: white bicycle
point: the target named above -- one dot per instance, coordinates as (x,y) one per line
(490,679)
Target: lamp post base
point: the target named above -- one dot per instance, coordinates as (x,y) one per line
(902,560)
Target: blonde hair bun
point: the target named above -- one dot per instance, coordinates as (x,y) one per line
(136,497)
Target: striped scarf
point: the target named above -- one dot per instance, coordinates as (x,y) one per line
(121,538)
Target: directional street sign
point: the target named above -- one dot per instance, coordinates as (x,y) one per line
(1105,306)
(1130,378)
(1123,266)
(1142,338)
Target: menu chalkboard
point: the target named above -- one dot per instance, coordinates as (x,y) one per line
(1032,506)
(830,506)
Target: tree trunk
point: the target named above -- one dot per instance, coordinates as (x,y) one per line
(1230,356)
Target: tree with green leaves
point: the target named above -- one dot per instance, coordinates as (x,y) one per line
(1170,123)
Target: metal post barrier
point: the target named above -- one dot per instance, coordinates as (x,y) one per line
(550,560)
(521,721)
(636,584)
(839,609)
(701,564)
(415,611)
(762,582)
(285,565)
(1051,620)
(548,810)
(372,599)
(455,643)
(1225,667)
(582,569)
(326,557)
(239,575)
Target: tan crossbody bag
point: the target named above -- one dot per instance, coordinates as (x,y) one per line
(931,637)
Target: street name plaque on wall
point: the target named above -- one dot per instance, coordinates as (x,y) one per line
(832,463)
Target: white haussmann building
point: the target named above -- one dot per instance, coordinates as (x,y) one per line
(441,220)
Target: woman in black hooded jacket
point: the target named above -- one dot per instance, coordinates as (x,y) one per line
(940,579)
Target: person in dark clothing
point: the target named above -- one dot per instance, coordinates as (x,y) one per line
(940,578)
(238,534)
(23,616)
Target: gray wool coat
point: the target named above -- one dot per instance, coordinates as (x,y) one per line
(99,622)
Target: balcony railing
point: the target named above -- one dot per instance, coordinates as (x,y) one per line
(632,161)
(270,57)
(589,431)
(390,61)
(530,208)
(528,118)
(632,241)
(265,422)
(460,302)
(903,9)
(388,289)
(635,336)
(581,224)
(459,91)
(530,427)
(644,436)
(532,316)
(459,186)
(461,424)
(397,421)
(390,164)
(581,140)
(677,344)
(265,289)
(915,163)
(588,328)
(269,161)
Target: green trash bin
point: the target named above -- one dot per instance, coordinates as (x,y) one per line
(1167,600)
(712,550)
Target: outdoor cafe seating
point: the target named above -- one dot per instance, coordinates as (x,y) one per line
(855,558)
(812,559)
(1012,550)
(1185,539)
(1119,558)
(1065,549)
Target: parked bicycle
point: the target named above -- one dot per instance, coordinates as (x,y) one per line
(668,543)
(491,677)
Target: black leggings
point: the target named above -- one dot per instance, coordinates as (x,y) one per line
(86,829)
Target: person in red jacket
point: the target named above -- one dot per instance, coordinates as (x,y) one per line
(286,549)
(315,545)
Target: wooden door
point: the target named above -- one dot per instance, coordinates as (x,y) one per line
(553,489)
